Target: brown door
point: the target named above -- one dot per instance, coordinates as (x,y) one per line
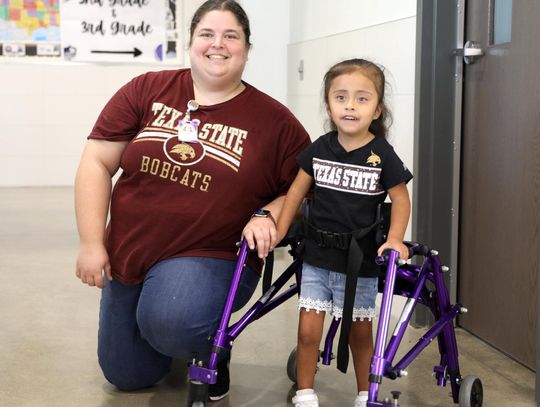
(499,240)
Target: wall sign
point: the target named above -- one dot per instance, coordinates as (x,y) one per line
(89,30)
(25,24)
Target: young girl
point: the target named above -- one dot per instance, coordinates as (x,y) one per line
(353,168)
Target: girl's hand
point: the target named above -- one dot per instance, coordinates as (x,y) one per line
(260,232)
(397,246)
(92,265)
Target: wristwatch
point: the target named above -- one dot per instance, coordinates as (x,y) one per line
(263,213)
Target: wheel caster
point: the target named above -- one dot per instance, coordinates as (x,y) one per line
(291,366)
(471,393)
(198,394)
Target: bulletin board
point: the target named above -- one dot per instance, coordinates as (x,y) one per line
(139,31)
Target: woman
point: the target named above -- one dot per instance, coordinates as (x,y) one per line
(200,151)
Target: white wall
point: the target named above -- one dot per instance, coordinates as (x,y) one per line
(46,112)
(48,109)
(267,68)
(383,31)
(313,19)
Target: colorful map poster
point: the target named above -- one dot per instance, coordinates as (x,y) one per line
(30,28)
(90,30)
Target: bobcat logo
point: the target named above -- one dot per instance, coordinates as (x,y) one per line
(373,159)
(183,153)
(184,150)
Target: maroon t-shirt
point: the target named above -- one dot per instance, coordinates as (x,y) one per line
(178,198)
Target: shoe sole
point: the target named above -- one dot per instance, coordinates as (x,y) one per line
(217,398)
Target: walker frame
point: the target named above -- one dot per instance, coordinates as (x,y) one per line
(401,278)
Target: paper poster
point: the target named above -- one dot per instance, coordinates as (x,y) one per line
(114,30)
(90,30)
(29,28)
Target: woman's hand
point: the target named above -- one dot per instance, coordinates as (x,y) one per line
(396,245)
(260,233)
(92,265)
(99,163)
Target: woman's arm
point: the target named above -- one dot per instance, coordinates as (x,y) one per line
(99,162)
(261,232)
(401,207)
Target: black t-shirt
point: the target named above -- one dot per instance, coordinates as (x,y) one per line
(348,186)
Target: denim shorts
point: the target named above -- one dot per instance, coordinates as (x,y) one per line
(324,290)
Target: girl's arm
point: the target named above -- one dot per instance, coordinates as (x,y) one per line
(401,207)
(293,200)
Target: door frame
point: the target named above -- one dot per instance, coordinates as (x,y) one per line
(437,141)
(437,134)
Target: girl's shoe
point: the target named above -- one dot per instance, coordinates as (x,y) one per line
(361,399)
(305,398)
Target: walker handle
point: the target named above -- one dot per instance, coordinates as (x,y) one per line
(417,249)
(414,249)
(383,259)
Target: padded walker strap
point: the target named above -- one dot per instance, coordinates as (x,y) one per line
(268,271)
(355,258)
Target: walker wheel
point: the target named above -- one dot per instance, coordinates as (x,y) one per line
(471,393)
(291,366)
(198,394)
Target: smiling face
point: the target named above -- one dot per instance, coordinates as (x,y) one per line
(219,49)
(353,103)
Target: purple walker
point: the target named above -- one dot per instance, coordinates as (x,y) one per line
(401,278)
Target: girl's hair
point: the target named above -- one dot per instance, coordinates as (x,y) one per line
(374,72)
(221,5)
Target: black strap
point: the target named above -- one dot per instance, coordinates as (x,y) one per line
(293,239)
(268,269)
(324,238)
(355,257)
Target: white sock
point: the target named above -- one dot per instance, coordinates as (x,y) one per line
(304,392)
(363,395)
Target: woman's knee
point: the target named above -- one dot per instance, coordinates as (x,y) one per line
(127,360)
(173,331)
(136,372)
(125,382)
(182,300)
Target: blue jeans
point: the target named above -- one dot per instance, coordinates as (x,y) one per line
(171,314)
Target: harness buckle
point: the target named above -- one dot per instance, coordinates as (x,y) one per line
(332,239)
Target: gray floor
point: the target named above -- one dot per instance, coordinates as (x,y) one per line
(49,320)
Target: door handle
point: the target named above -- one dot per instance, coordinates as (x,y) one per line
(470,52)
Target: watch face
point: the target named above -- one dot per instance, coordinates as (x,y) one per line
(262,212)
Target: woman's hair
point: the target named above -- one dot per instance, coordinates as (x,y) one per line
(379,126)
(221,5)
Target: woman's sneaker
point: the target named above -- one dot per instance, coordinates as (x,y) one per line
(220,389)
(361,399)
(305,398)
